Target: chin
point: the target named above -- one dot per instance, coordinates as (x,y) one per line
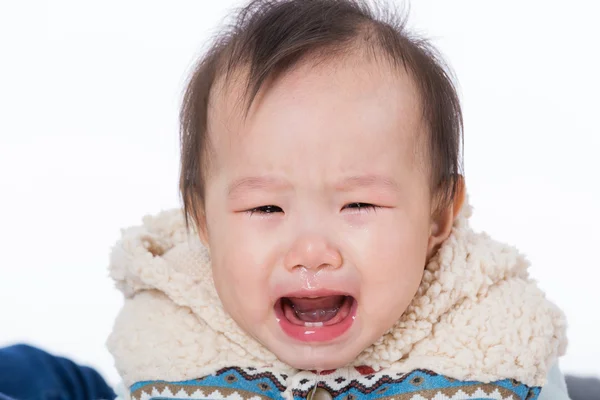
(320,358)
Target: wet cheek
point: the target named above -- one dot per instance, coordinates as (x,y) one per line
(241,269)
(391,264)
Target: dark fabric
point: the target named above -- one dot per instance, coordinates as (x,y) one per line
(28,373)
(583,388)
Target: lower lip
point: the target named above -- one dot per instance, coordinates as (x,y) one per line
(315,333)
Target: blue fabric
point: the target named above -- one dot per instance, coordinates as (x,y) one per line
(28,373)
(248,384)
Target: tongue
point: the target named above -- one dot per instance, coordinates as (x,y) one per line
(320,309)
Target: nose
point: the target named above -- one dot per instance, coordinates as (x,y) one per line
(313,252)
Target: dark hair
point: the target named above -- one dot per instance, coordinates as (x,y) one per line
(269,37)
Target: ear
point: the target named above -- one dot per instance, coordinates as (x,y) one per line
(442,221)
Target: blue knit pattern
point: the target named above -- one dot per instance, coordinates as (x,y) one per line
(249,383)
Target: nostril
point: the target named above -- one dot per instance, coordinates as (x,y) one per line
(305,268)
(329,266)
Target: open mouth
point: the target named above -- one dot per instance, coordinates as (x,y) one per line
(319,318)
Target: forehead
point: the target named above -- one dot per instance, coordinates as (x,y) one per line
(348,113)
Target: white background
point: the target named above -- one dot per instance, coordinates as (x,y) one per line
(89,97)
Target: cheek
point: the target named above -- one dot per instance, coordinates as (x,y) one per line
(391,263)
(241,265)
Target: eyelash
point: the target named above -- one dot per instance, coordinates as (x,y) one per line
(264,210)
(271,209)
(362,206)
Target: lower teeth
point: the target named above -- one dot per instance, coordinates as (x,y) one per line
(313,324)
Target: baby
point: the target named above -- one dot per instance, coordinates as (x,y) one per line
(323,249)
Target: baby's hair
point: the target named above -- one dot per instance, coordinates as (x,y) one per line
(269,37)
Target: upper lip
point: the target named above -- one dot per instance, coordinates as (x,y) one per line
(308,293)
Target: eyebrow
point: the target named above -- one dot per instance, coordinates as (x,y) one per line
(255,183)
(274,183)
(367,181)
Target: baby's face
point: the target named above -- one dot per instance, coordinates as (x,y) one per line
(318,209)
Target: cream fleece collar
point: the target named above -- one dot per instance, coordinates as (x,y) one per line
(476,316)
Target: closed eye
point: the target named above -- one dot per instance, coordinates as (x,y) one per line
(270,209)
(361,207)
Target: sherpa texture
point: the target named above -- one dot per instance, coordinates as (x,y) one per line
(476,316)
